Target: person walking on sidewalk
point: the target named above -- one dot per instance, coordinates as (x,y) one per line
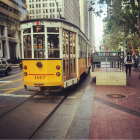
(128,62)
(137,61)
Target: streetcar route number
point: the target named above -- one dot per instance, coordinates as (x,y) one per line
(40,77)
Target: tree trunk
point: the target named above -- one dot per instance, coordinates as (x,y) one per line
(130,40)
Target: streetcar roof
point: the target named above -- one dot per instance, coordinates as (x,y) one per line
(53,19)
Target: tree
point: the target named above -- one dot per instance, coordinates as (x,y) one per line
(121,20)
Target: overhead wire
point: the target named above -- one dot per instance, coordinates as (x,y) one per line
(58,8)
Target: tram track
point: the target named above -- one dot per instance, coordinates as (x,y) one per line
(24,101)
(49,116)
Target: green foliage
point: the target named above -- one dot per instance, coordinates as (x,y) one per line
(121,21)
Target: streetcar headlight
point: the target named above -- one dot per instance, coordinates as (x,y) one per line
(57,67)
(39,64)
(25,73)
(25,67)
(58,73)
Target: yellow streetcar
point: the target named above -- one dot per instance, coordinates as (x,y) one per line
(55,53)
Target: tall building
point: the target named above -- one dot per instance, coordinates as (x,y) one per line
(82,21)
(11,13)
(91,28)
(68,9)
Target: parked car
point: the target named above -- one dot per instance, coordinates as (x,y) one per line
(5,67)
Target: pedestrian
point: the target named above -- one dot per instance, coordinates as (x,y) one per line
(137,61)
(134,58)
(128,63)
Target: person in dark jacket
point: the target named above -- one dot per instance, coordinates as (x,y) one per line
(128,62)
(137,61)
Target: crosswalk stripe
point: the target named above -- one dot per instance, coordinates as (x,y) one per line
(13,95)
(4,81)
(12,82)
(10,76)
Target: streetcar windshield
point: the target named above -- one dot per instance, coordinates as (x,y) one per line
(34,41)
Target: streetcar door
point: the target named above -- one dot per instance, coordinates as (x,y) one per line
(66,71)
(72,55)
(69,55)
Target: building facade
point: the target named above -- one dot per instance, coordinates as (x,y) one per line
(68,9)
(11,13)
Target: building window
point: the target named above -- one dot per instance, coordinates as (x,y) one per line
(33,12)
(36,5)
(53,10)
(39,5)
(39,16)
(37,11)
(43,10)
(30,17)
(29,0)
(46,10)
(50,4)
(32,0)
(46,16)
(2,30)
(30,11)
(43,16)
(50,10)
(32,5)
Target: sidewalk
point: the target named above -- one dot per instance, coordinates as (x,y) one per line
(117,118)
(96,116)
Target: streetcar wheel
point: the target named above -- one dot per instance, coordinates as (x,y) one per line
(7,72)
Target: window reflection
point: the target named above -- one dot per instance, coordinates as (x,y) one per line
(56,30)
(25,31)
(53,46)
(39,46)
(27,46)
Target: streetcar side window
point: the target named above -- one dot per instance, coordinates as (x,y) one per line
(53,45)
(27,46)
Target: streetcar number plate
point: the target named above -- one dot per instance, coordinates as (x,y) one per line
(40,77)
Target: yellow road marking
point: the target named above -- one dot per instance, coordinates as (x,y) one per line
(13,90)
(11,82)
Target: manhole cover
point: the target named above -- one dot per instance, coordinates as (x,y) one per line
(115,96)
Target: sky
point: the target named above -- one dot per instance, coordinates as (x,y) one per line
(98,25)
